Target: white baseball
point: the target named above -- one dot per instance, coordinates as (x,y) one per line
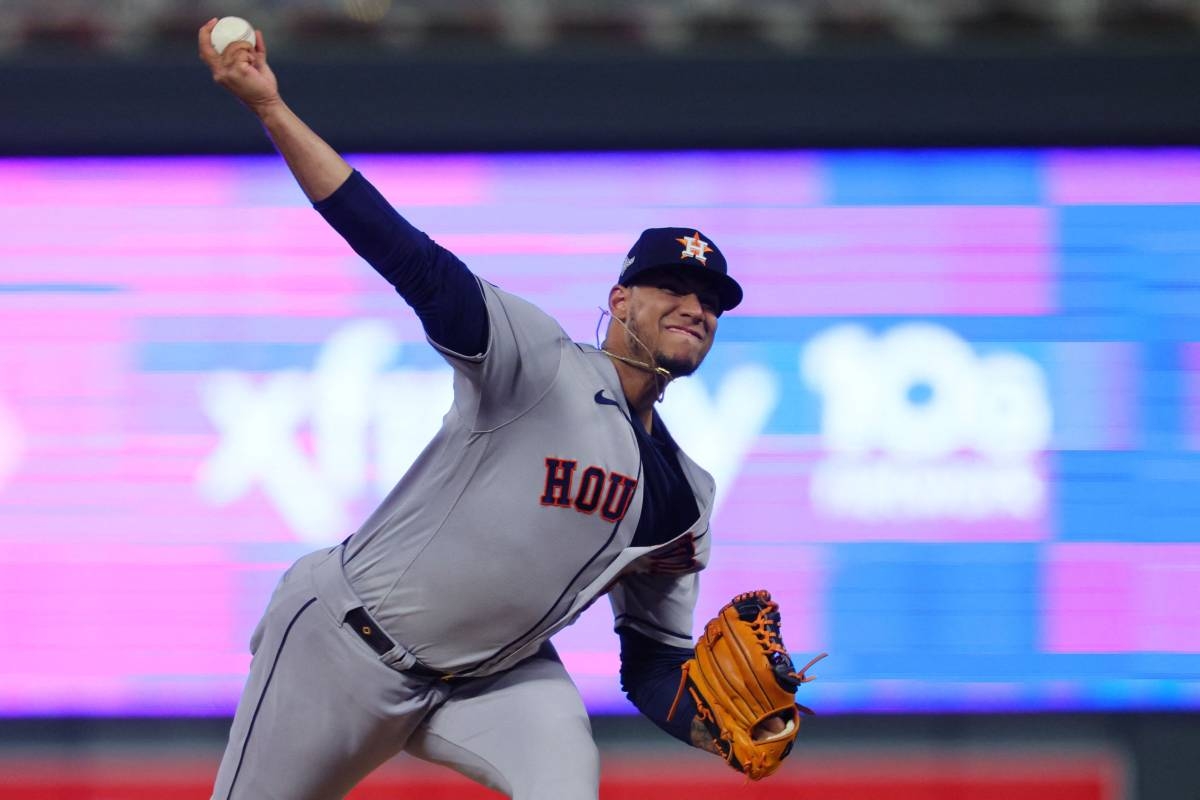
(229,30)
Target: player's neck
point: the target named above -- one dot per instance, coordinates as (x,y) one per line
(642,386)
(642,390)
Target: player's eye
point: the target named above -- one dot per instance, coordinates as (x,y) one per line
(708,300)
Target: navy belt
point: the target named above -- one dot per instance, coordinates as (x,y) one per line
(380,642)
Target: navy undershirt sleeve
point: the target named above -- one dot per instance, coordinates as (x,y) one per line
(444,293)
(650,674)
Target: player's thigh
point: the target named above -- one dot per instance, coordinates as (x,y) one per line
(319,711)
(524,733)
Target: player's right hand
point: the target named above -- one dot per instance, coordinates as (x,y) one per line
(242,69)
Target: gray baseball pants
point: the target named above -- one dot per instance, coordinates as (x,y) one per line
(321,710)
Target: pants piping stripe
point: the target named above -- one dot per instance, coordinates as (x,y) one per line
(263,695)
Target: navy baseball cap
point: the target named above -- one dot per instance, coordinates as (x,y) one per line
(686,249)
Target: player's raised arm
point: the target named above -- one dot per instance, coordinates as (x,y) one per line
(242,69)
(439,287)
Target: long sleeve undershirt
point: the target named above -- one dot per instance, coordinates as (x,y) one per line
(447,299)
(650,675)
(441,290)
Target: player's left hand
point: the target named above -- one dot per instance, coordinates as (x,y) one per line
(703,739)
(744,685)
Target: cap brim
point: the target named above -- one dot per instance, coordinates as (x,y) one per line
(729,291)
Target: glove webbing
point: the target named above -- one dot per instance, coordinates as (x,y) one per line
(764,619)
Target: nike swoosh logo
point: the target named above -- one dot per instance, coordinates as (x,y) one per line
(605,401)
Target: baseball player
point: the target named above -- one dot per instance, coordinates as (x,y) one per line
(551,482)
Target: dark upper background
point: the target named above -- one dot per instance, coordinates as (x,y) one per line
(122,77)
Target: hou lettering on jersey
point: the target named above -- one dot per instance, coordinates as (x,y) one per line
(596,489)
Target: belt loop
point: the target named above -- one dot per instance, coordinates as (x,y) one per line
(338,597)
(366,627)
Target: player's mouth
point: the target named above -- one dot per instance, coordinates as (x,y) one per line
(692,332)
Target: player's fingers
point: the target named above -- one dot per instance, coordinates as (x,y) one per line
(234,68)
(238,56)
(208,53)
(241,60)
(235,49)
(769,728)
(260,44)
(230,64)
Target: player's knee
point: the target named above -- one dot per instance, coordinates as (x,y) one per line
(564,774)
(563,763)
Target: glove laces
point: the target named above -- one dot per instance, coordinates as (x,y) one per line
(762,613)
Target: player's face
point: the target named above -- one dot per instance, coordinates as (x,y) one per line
(676,318)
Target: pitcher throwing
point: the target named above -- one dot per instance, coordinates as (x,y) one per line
(551,482)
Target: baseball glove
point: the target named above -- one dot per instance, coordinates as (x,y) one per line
(744,684)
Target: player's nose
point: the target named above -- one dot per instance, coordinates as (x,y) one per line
(689,303)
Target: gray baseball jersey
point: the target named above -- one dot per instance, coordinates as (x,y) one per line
(516,517)
(520,512)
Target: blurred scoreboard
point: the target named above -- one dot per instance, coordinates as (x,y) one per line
(955,425)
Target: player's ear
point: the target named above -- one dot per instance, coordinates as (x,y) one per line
(618,301)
